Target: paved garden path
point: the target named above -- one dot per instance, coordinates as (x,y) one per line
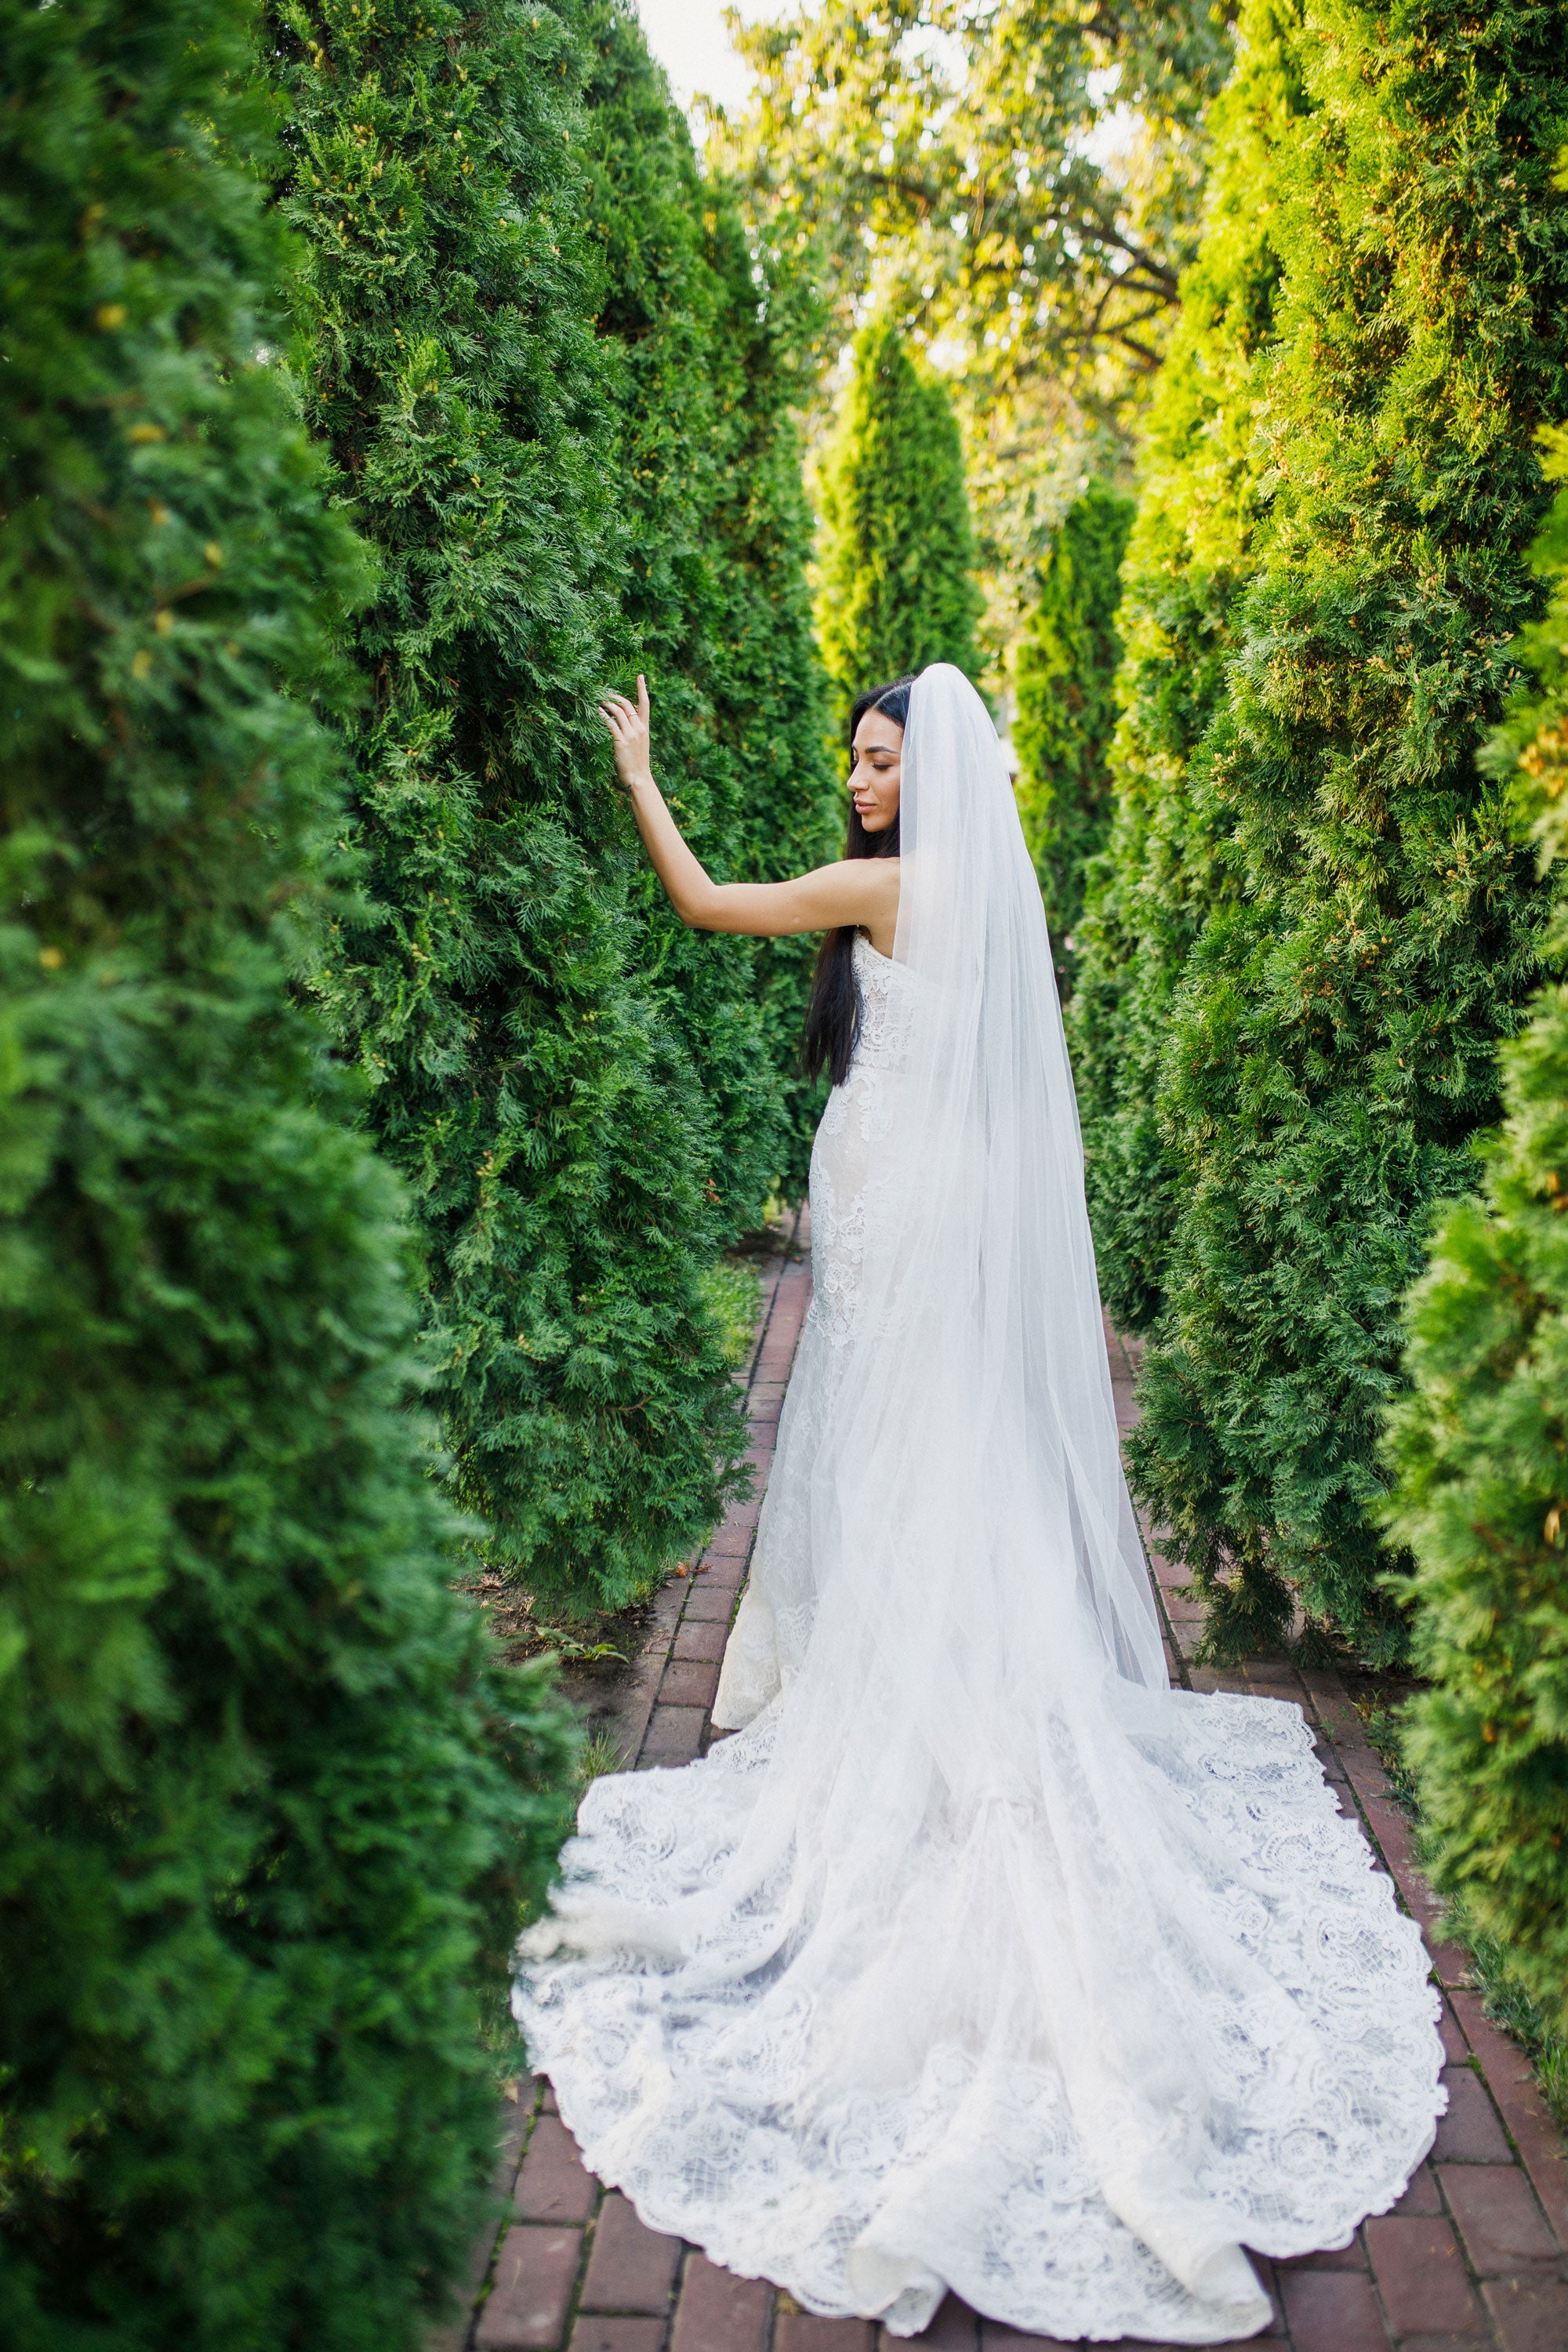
(1471,2261)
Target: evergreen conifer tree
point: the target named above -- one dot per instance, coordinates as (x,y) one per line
(1332,1048)
(1201,524)
(1477,1449)
(1064,673)
(896,558)
(709,470)
(771,691)
(560,1146)
(268,1811)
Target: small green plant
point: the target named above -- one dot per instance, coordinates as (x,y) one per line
(575,1652)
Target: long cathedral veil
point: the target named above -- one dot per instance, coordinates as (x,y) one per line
(980,1958)
(978,1380)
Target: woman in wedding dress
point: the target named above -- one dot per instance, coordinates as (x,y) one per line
(979,1957)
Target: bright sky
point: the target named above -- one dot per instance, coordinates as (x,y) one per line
(690,40)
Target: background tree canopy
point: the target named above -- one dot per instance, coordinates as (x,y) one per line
(1019,182)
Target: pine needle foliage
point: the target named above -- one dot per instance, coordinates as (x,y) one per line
(1477,1449)
(267,1809)
(1333,1046)
(1064,677)
(896,561)
(523,1078)
(708,468)
(1201,521)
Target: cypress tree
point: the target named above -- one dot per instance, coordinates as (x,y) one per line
(266,1809)
(559,1144)
(715,591)
(659,319)
(1333,1046)
(771,689)
(1201,521)
(1477,1450)
(897,559)
(1064,673)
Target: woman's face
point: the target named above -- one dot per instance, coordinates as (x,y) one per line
(874,778)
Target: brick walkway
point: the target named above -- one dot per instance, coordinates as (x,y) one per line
(1471,2261)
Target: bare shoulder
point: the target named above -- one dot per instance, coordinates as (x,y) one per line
(882,922)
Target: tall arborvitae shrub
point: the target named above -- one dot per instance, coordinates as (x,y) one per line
(1202,516)
(771,689)
(895,562)
(266,1811)
(1332,1048)
(1478,1451)
(1064,675)
(559,1147)
(709,477)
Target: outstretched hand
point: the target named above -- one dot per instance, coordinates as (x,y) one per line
(628,724)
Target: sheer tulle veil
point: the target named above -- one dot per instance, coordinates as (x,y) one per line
(978,1957)
(978,1377)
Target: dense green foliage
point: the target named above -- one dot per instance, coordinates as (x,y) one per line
(1332,1040)
(266,1806)
(715,591)
(1477,1449)
(526,1079)
(1200,524)
(1064,669)
(897,579)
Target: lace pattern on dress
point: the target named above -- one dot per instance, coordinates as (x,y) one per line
(691,2089)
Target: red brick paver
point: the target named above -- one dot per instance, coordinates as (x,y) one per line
(1471,2259)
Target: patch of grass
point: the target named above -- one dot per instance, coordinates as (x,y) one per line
(573,1652)
(600,1753)
(1382,1730)
(732,1293)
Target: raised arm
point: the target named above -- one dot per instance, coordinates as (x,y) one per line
(860,890)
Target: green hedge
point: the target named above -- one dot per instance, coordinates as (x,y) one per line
(708,468)
(1200,524)
(267,1809)
(1064,673)
(1332,1042)
(524,1075)
(1477,1450)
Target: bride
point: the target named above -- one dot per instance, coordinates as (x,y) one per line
(978,1957)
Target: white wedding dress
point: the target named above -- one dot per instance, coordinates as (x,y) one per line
(978,1958)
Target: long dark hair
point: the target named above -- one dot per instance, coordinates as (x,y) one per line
(833,1024)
